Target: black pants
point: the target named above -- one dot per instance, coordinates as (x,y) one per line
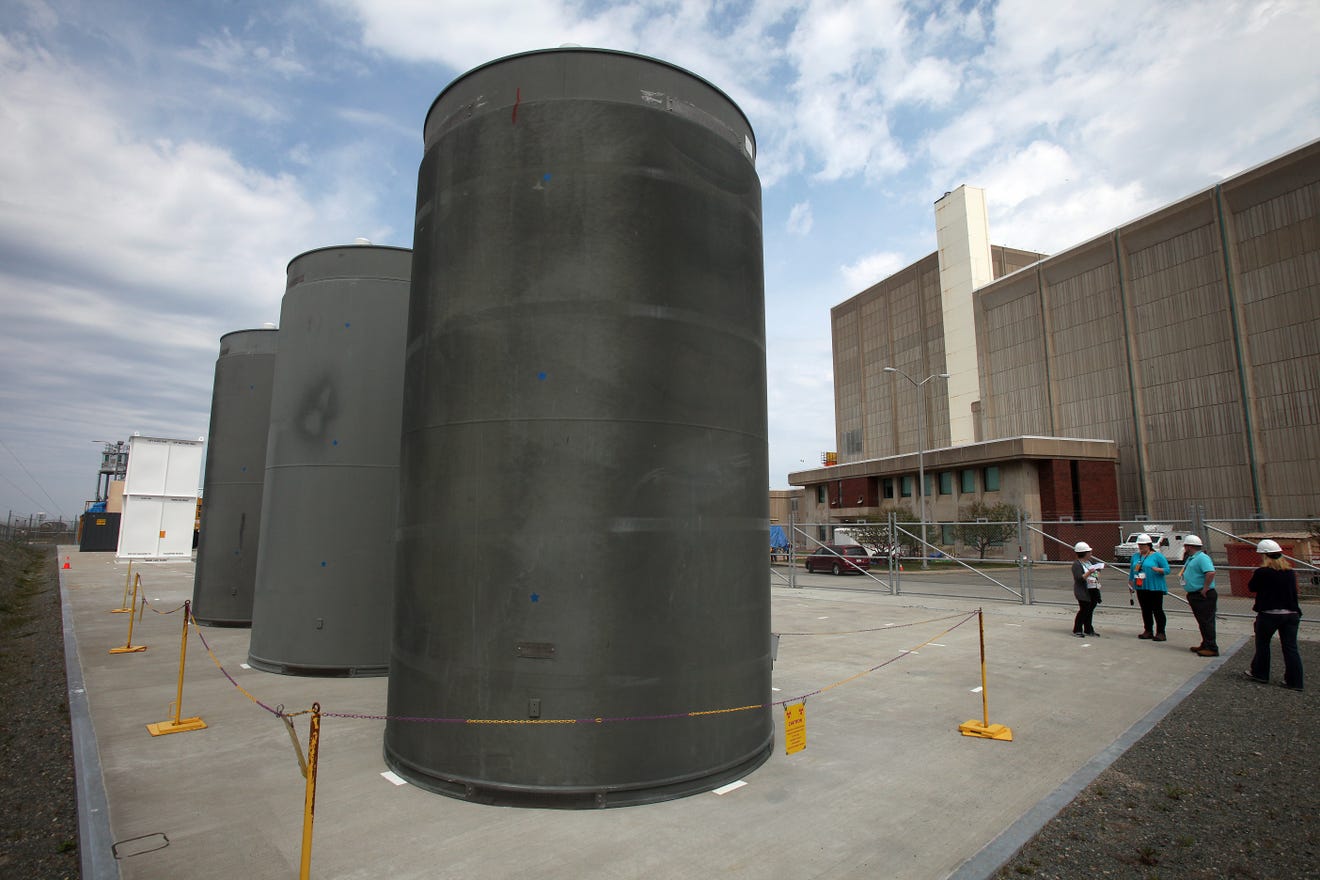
(1152,611)
(1082,622)
(1286,626)
(1203,609)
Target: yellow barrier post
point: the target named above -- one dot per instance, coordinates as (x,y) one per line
(129,647)
(309,801)
(177,724)
(984,728)
(123,604)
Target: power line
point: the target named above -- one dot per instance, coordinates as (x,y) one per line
(20,491)
(35,482)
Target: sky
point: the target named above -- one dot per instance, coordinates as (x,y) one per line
(161,163)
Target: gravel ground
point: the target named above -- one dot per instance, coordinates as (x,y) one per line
(1224,786)
(38,800)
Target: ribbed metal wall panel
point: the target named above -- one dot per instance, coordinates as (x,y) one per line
(1220,316)
(1185,367)
(1276,259)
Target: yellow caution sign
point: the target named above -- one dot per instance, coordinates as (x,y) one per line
(795,728)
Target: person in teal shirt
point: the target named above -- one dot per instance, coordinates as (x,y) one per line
(1198,577)
(1146,577)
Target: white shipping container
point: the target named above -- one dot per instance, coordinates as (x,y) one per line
(160,498)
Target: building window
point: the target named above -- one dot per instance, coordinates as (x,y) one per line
(888,486)
(991,478)
(946,535)
(822,494)
(930,485)
(969,481)
(905,488)
(946,484)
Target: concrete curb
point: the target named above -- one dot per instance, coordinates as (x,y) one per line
(997,852)
(95,842)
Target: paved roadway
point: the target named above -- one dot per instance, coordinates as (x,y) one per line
(885,788)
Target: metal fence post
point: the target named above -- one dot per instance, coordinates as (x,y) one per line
(895,569)
(1024,559)
(792,543)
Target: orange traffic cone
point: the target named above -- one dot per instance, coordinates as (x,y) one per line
(66,562)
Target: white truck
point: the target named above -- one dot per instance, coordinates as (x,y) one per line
(1165,539)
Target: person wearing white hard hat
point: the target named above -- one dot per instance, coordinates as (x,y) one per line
(1086,589)
(1146,577)
(1198,579)
(1275,586)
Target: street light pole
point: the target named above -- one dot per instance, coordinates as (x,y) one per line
(921,448)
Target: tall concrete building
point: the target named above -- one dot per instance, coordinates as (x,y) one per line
(1189,338)
(901,322)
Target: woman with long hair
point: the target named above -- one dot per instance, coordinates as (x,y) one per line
(1275,586)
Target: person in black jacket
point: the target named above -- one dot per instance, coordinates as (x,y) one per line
(1086,589)
(1275,586)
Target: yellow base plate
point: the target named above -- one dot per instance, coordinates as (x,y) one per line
(160,728)
(133,649)
(987,731)
(121,610)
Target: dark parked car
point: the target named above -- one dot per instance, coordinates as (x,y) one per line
(839,559)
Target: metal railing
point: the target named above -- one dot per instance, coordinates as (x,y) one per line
(1031,561)
(37,530)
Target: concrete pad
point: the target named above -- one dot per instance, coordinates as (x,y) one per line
(886,787)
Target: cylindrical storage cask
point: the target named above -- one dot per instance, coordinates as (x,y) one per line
(324,589)
(232,484)
(583,505)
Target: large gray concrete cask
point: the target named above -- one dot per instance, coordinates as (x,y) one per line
(583,505)
(232,483)
(325,567)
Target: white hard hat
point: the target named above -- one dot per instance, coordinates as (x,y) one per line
(1268,546)
(1192,540)
(1144,538)
(1082,547)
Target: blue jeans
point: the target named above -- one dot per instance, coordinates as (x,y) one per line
(1286,626)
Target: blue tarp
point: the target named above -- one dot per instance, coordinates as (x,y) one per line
(778,540)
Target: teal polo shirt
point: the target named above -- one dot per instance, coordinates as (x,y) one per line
(1195,570)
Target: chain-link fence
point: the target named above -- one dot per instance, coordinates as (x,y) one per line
(38,530)
(1030,561)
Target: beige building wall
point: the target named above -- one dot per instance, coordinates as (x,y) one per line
(962,234)
(1189,337)
(900,323)
(781,505)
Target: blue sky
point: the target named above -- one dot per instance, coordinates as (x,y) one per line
(161,162)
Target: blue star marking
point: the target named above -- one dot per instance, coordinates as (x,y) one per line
(536,597)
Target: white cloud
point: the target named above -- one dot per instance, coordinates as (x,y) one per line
(462,35)
(127,256)
(144,211)
(871,269)
(1038,168)
(799,219)
(226,54)
(929,81)
(1067,215)
(1073,128)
